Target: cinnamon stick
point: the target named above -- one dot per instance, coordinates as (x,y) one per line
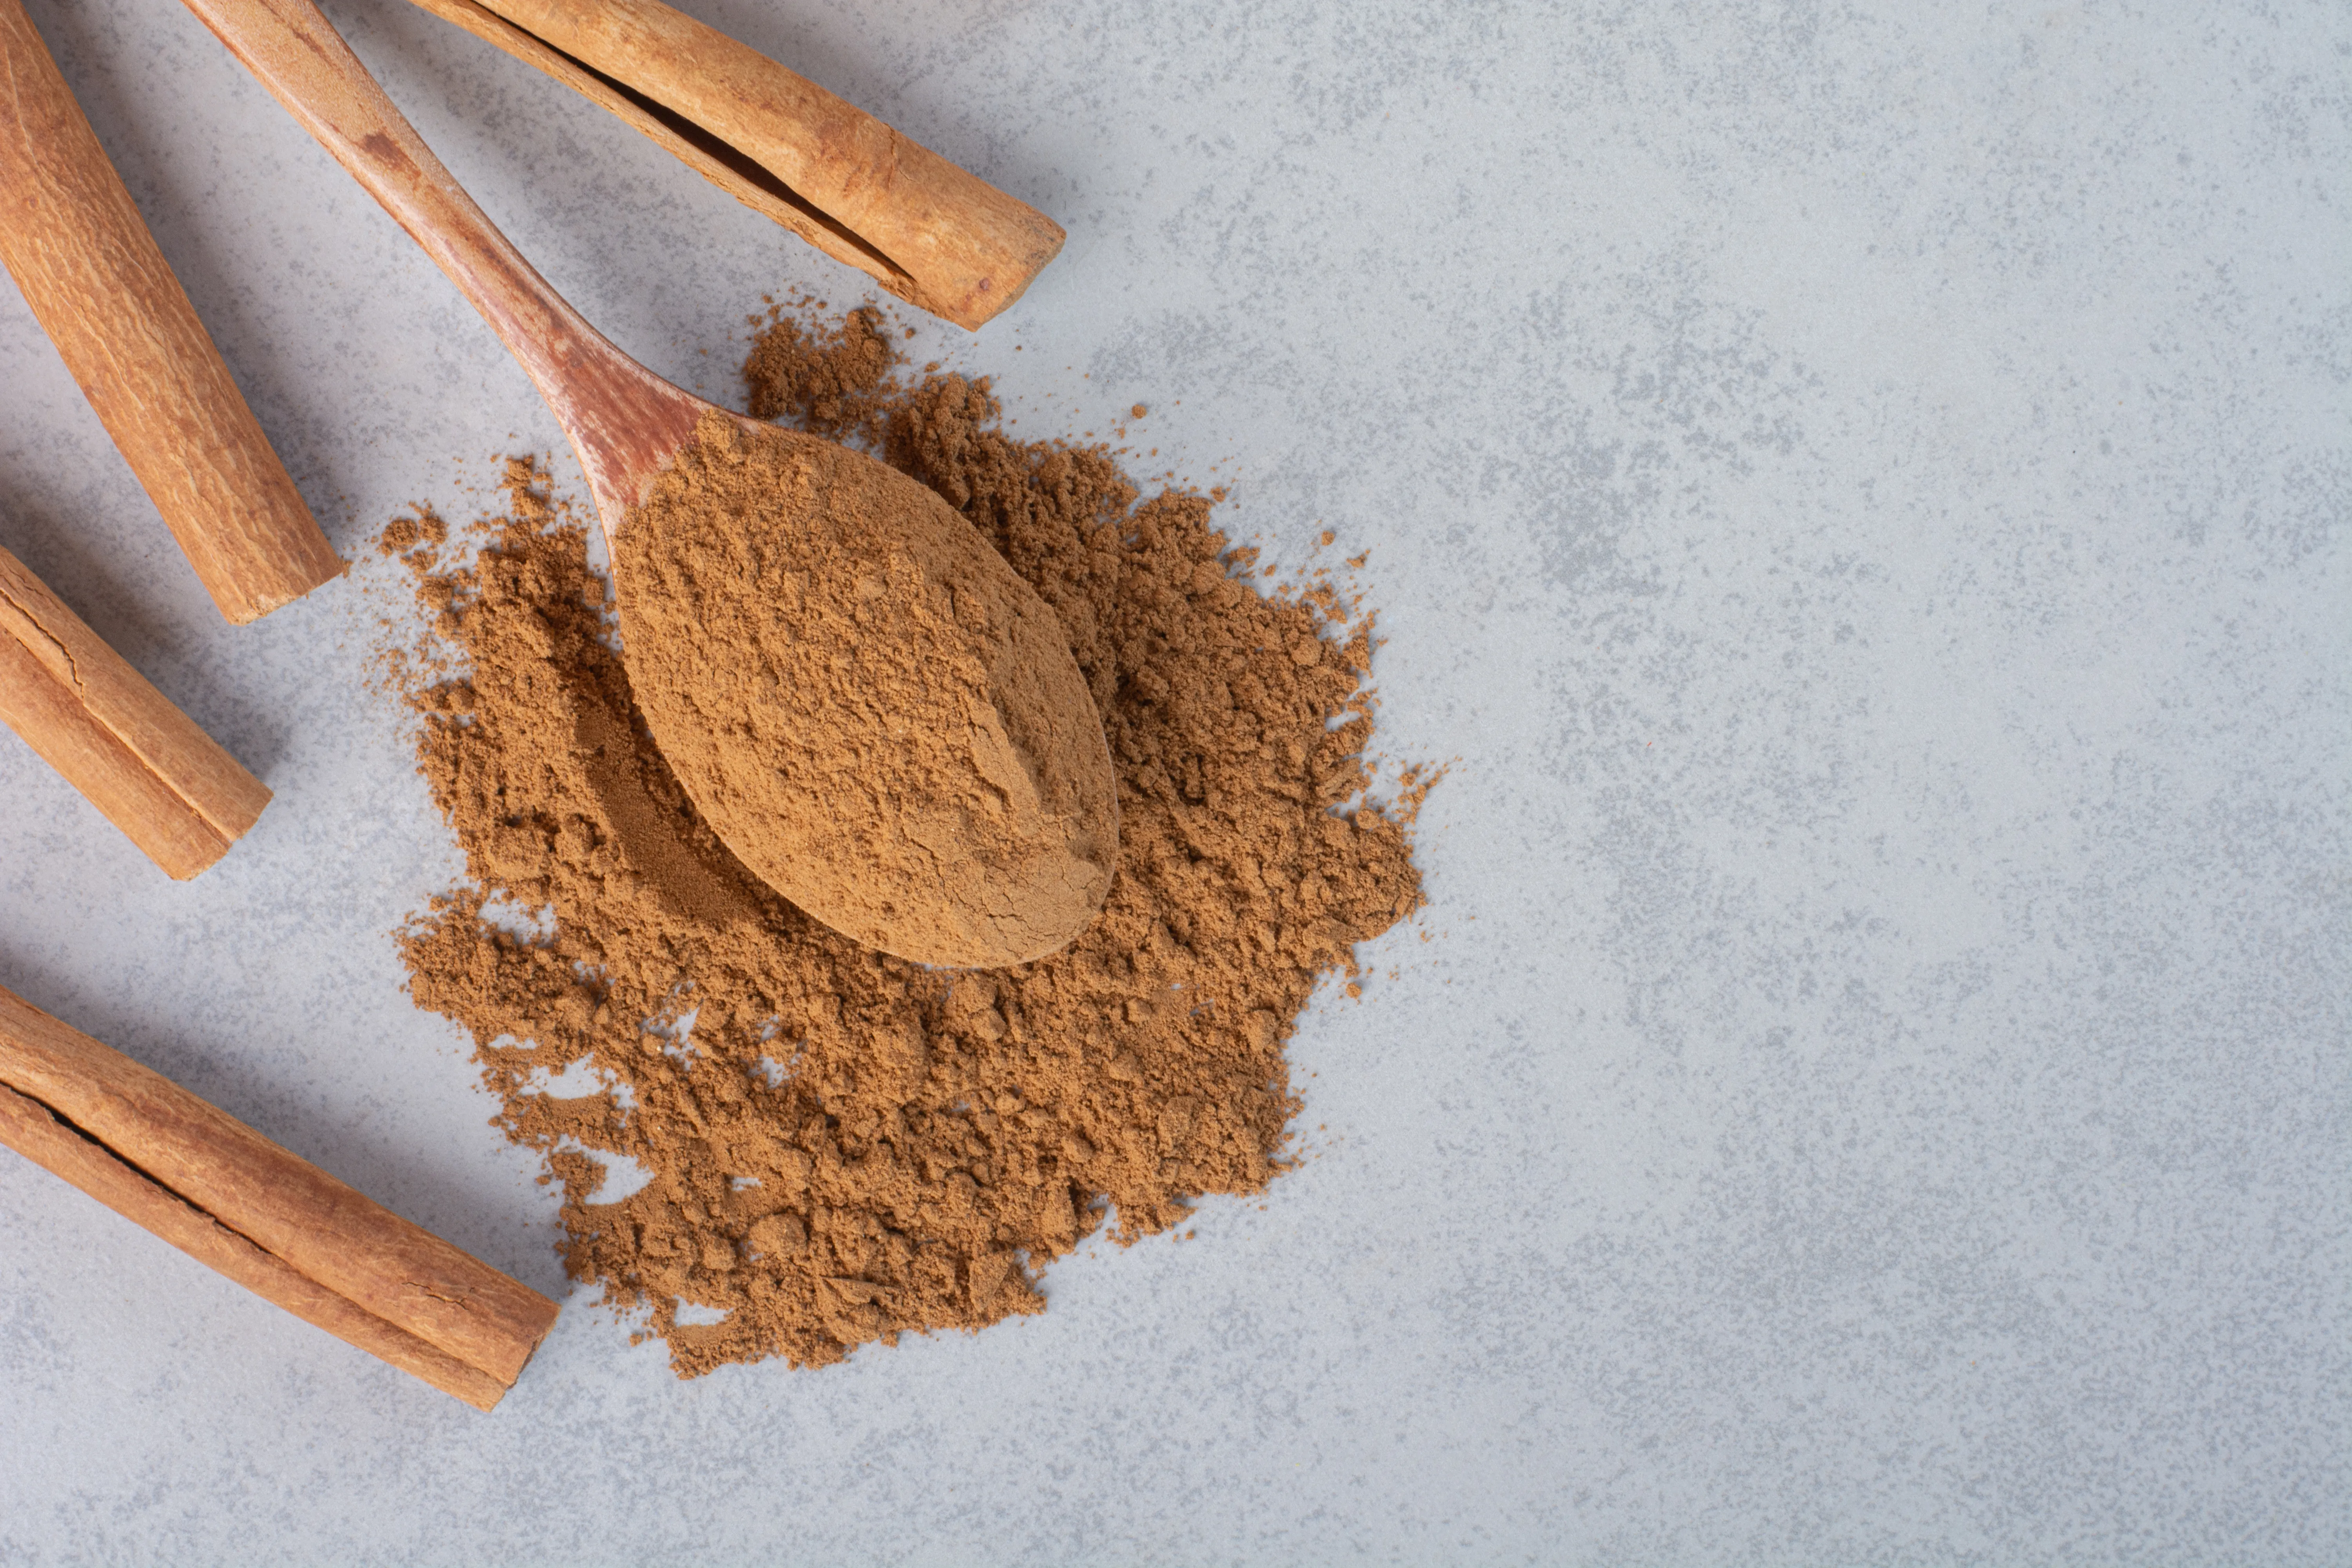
(931,233)
(157,776)
(274,1222)
(74,241)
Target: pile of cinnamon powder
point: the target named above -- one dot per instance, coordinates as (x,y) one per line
(843,1146)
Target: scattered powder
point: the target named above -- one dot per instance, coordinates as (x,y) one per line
(874,714)
(829,380)
(405,533)
(843,1146)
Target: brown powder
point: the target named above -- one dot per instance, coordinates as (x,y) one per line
(843,1146)
(828,380)
(868,707)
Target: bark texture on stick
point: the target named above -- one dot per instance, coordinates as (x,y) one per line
(929,232)
(157,776)
(74,241)
(274,1222)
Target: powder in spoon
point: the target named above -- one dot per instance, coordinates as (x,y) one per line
(877,716)
(843,1146)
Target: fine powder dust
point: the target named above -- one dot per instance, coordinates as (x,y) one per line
(843,1146)
(874,714)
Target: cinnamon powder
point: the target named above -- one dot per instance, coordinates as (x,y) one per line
(842,1146)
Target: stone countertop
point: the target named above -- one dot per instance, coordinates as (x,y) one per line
(1858,497)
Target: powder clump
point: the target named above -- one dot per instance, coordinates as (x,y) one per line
(828,380)
(842,1146)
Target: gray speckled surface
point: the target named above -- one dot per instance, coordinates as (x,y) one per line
(1863,494)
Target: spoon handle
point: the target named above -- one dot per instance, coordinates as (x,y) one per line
(622,419)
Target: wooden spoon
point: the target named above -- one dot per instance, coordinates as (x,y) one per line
(628,425)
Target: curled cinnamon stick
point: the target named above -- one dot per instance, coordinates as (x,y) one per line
(931,233)
(156,775)
(239,1203)
(74,241)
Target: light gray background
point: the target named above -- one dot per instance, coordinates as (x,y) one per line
(1861,491)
